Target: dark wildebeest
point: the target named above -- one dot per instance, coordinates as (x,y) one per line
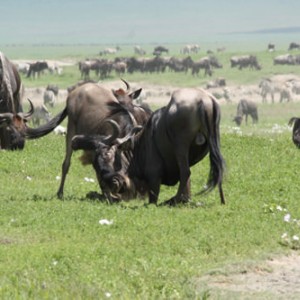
(245,61)
(203,63)
(271,47)
(159,50)
(12,119)
(293,46)
(246,107)
(176,137)
(296,130)
(37,68)
(87,108)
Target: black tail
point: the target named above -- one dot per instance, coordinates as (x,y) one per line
(217,163)
(35,133)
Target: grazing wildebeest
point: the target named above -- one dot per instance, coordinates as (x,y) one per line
(175,137)
(245,61)
(37,68)
(203,63)
(296,130)
(12,119)
(285,59)
(245,108)
(87,107)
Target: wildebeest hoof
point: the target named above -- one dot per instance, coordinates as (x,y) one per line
(175,201)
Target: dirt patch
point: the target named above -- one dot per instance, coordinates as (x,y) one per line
(277,278)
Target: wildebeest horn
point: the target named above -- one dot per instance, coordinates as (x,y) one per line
(116,132)
(130,135)
(127,84)
(29,113)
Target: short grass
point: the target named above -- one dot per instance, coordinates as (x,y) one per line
(53,249)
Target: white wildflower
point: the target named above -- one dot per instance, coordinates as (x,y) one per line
(57,177)
(106,222)
(287,218)
(29,178)
(295,238)
(89,179)
(107,294)
(284,236)
(278,207)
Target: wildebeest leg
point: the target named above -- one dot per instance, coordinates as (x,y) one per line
(154,188)
(246,119)
(183,194)
(67,161)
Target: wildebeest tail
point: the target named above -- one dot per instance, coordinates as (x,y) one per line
(34,133)
(217,163)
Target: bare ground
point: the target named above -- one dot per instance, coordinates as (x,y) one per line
(277,278)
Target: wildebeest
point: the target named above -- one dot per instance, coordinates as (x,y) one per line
(41,113)
(159,50)
(49,98)
(175,137)
(37,68)
(271,47)
(293,46)
(245,108)
(87,107)
(245,61)
(296,130)
(284,59)
(267,87)
(203,63)
(12,119)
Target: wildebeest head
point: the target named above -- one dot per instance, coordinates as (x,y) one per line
(14,126)
(238,120)
(110,163)
(296,130)
(125,97)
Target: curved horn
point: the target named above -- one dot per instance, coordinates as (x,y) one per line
(31,111)
(116,131)
(127,84)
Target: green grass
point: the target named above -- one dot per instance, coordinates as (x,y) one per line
(53,249)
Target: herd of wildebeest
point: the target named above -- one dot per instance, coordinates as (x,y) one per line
(133,150)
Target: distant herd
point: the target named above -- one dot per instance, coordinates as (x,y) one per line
(133,149)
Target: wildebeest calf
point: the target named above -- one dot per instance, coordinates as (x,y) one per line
(246,107)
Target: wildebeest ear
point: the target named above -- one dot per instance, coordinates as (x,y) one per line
(135,94)
(84,142)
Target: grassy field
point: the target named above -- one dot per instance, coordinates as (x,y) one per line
(53,249)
